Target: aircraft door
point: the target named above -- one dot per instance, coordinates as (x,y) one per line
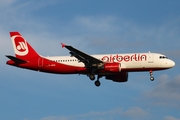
(40,62)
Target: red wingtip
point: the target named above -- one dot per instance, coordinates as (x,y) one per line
(63,45)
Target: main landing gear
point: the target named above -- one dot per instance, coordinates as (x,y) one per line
(151,75)
(97,82)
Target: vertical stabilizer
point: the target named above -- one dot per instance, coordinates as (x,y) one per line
(22,48)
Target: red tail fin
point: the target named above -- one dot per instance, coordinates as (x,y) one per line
(22,48)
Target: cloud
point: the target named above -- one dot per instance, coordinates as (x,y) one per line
(136,112)
(19,15)
(124,35)
(57,118)
(113,32)
(97,24)
(106,115)
(133,113)
(4,3)
(170,118)
(166,93)
(105,34)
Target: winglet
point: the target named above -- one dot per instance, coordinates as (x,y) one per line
(63,45)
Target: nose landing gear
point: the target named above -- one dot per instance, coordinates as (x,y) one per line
(151,75)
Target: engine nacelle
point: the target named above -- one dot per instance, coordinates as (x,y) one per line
(112,67)
(120,77)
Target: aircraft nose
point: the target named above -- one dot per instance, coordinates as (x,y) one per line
(171,63)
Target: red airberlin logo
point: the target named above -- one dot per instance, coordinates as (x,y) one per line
(125,58)
(20,45)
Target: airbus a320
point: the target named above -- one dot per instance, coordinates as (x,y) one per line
(113,67)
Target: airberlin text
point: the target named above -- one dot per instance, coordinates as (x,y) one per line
(125,58)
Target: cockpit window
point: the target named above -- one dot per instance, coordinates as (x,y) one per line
(163,57)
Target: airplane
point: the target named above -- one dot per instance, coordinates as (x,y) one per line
(113,67)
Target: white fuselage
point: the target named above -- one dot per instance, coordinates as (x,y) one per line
(132,61)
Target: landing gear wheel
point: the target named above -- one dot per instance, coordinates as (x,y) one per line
(152,78)
(97,83)
(92,77)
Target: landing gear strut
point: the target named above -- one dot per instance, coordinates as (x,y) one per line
(151,75)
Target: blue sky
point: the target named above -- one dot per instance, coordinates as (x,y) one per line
(92,26)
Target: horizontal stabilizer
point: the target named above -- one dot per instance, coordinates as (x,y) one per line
(16,60)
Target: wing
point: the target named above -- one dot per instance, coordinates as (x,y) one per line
(88,60)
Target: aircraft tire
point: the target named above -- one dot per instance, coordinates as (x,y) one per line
(152,78)
(97,83)
(92,77)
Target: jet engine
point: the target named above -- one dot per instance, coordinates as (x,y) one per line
(119,77)
(112,67)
